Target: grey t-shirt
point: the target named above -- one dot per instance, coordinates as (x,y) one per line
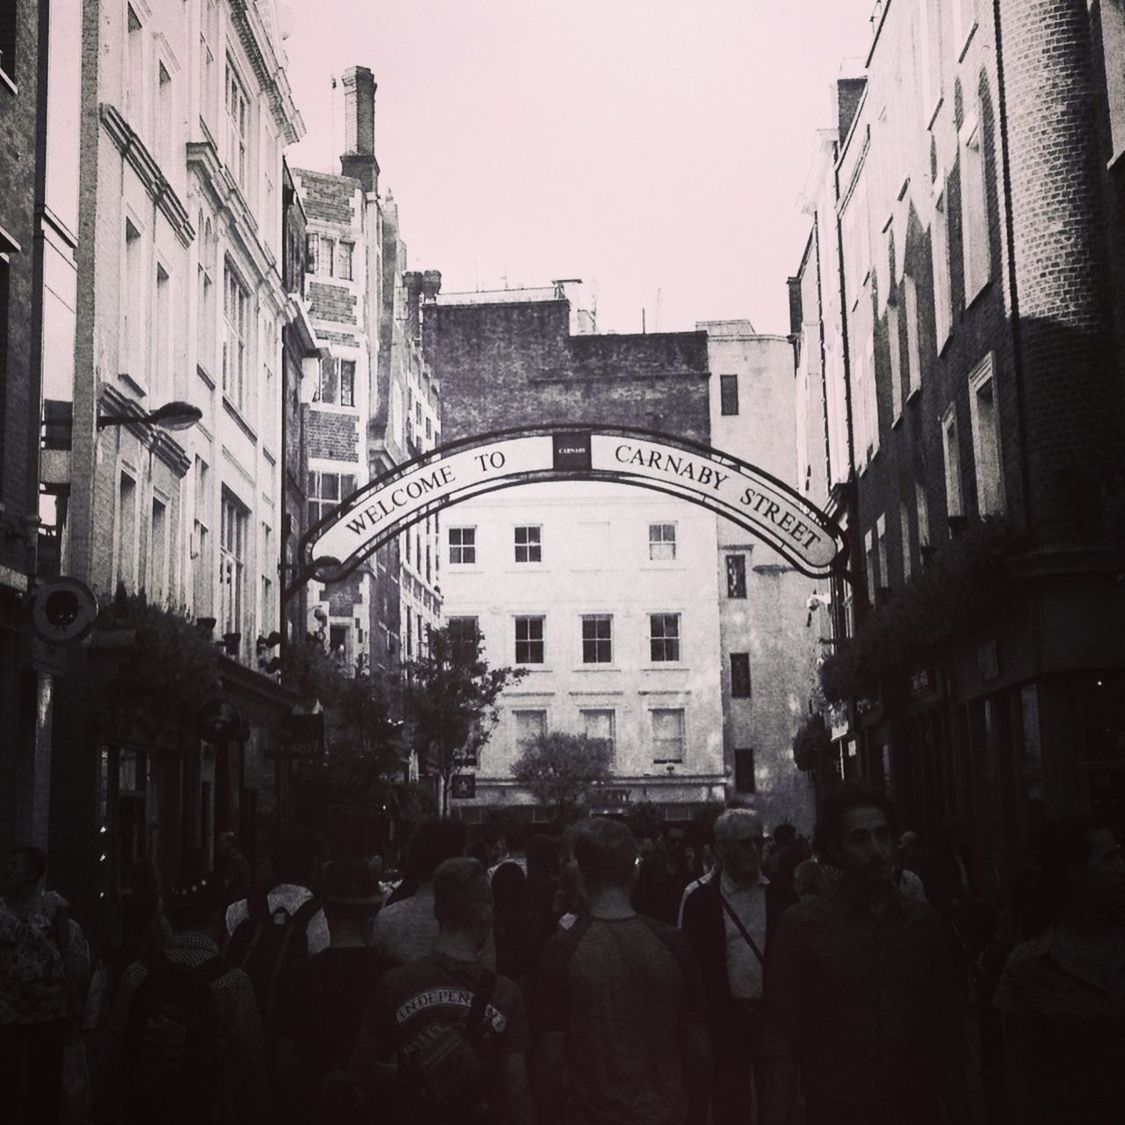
(622,991)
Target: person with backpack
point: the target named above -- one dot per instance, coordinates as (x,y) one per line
(445,1040)
(321,1003)
(191,1048)
(271,932)
(618,1007)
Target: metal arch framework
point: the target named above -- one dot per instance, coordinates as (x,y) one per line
(801,533)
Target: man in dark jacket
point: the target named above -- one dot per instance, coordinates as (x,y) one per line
(729,918)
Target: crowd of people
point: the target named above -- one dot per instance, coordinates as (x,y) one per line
(579,978)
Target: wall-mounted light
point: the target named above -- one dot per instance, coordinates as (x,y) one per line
(171,416)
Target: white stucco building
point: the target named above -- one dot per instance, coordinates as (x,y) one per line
(607,595)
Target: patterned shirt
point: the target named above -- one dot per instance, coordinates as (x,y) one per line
(236,1013)
(32,972)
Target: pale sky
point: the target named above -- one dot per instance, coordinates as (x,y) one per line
(653,148)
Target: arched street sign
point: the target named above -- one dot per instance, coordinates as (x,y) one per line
(775,513)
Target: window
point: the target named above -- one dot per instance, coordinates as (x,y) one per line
(529,544)
(266,619)
(327,258)
(954,501)
(597,638)
(531,726)
(127,532)
(662,541)
(869,559)
(894,345)
(236,302)
(600,725)
(312,251)
(728,394)
(462,545)
(135,70)
(664,636)
(8,39)
(744,781)
(922,511)
(134,331)
(232,562)
(913,349)
(740,675)
(986,440)
(964,21)
(939,245)
(344,262)
(164,133)
(327,380)
(205,314)
(207,90)
(974,212)
(881,550)
(736,576)
(201,540)
(325,491)
(347,382)
(156,579)
(904,529)
(667,734)
(529,640)
(238,128)
(161,379)
(464,635)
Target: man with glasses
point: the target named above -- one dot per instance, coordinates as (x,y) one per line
(730,917)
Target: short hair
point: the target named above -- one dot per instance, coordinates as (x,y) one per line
(461,889)
(606,852)
(834,808)
(732,816)
(36,859)
(432,842)
(297,855)
(784,834)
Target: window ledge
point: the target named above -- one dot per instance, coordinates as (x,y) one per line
(913,393)
(968,39)
(980,290)
(597,668)
(205,375)
(896,421)
(7,80)
(236,414)
(138,385)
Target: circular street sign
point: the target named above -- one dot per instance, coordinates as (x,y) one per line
(63,611)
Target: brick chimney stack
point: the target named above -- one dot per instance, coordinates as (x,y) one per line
(358,159)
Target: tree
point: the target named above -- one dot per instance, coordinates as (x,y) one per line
(449,703)
(560,769)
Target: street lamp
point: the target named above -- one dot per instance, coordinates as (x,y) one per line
(170,416)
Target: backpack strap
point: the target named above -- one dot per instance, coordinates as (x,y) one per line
(256,920)
(474,1023)
(296,924)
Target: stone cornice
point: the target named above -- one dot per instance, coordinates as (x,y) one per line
(255,40)
(134,150)
(227,200)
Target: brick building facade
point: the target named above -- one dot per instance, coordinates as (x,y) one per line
(976,184)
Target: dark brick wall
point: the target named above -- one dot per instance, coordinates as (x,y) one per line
(326,198)
(343,595)
(1073,392)
(332,436)
(332,302)
(516,364)
(19,389)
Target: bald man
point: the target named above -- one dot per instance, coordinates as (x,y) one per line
(730,917)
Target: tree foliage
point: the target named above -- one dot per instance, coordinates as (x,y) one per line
(449,701)
(965,587)
(560,769)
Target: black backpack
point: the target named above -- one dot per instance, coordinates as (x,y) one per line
(265,944)
(446,1066)
(173,1046)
